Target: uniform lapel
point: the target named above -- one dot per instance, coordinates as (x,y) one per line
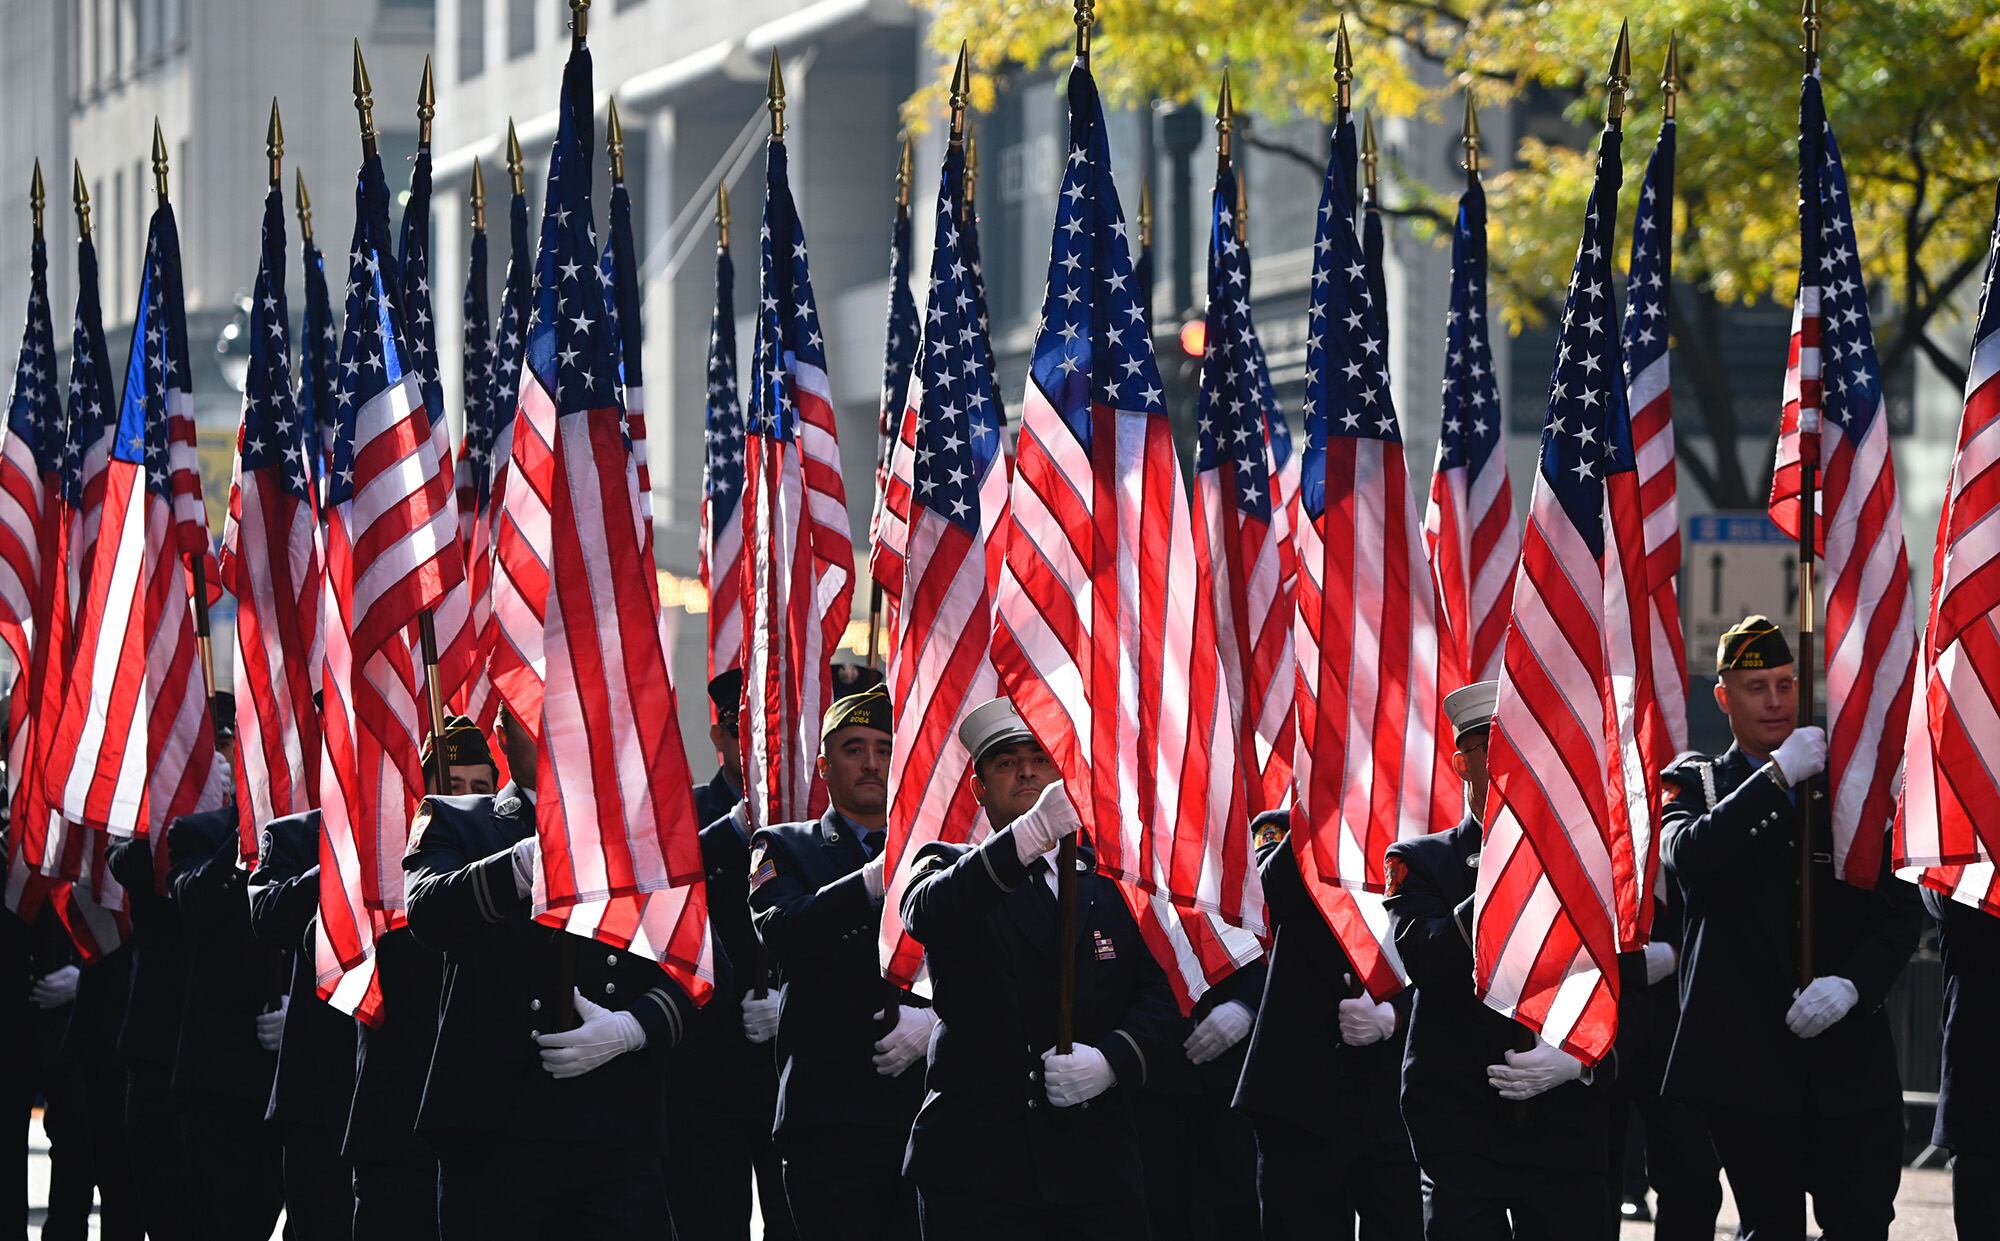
(840,843)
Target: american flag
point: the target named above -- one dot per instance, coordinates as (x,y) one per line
(271,563)
(1469,524)
(1833,382)
(473,469)
(453,622)
(936,553)
(392,553)
(1652,403)
(722,479)
(899,359)
(619,272)
(975,286)
(319,353)
(1944,825)
(1565,877)
(1284,459)
(135,748)
(1103,637)
(1374,662)
(30,576)
(799,556)
(620,857)
(1240,512)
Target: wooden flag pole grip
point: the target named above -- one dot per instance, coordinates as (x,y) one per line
(199,568)
(439,775)
(1066,944)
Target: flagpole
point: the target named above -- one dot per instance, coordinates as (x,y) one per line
(197,565)
(1808,664)
(904,176)
(1066,849)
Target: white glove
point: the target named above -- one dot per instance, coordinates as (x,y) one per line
(1216,1033)
(871,876)
(603,1036)
(1801,755)
(1049,820)
(271,1025)
(1363,1021)
(1079,1077)
(1661,960)
(1824,1001)
(906,1044)
(55,989)
(760,1017)
(1529,1073)
(525,853)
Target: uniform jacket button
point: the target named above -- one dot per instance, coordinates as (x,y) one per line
(533,1035)
(610,988)
(1033,1103)
(611,959)
(534,1006)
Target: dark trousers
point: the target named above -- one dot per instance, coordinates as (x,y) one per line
(66,1126)
(110,1160)
(1851,1165)
(1682,1168)
(846,1184)
(1201,1167)
(238,1172)
(519,1189)
(949,1215)
(163,1175)
(1472,1198)
(319,1186)
(712,1156)
(1311,1188)
(395,1202)
(1975,1194)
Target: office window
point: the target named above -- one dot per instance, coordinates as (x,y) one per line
(629,4)
(113,290)
(520,28)
(471,38)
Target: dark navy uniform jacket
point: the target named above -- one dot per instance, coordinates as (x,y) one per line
(315,1084)
(229,974)
(500,989)
(715,799)
(1297,1068)
(151,1025)
(1968,1111)
(1447,1103)
(1737,867)
(818,923)
(716,1065)
(990,933)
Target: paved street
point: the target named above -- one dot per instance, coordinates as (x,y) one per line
(1923,1208)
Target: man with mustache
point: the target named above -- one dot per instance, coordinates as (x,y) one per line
(850,1046)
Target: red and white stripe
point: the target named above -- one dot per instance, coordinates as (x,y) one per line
(722,573)
(522,540)
(1475,545)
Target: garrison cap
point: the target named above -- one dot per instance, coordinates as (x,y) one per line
(992,723)
(1471,708)
(464,744)
(1753,642)
(864,710)
(850,679)
(725,690)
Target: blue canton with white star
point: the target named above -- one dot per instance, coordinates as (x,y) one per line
(413,255)
(319,342)
(1347,378)
(571,346)
(958,424)
(34,412)
(1588,434)
(1849,370)
(619,273)
(273,438)
(1645,326)
(1470,433)
(975,276)
(899,352)
(722,471)
(509,346)
(1231,420)
(476,363)
(372,354)
(787,316)
(1093,345)
(158,359)
(91,414)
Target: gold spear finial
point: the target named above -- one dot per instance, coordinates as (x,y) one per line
(1469,137)
(722,215)
(364,103)
(38,198)
(1145,215)
(905,174)
(1670,76)
(1809,18)
(1225,120)
(614,141)
(961,80)
(478,196)
(79,197)
(1368,159)
(1620,79)
(159,161)
(579,22)
(274,144)
(305,205)
(1343,71)
(514,161)
(1086,17)
(774,99)
(426,107)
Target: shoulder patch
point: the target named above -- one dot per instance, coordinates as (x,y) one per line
(762,868)
(1270,834)
(1397,871)
(417,826)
